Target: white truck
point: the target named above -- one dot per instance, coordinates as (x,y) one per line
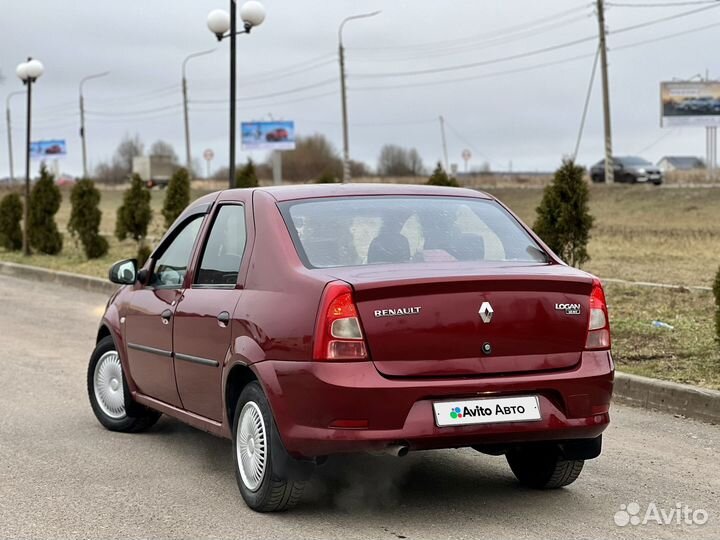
(154,170)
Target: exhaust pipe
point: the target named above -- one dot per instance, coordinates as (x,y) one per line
(395,450)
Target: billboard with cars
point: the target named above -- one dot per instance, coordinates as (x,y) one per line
(55,148)
(268,135)
(690,103)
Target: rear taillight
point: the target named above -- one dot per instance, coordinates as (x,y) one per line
(598,336)
(338,335)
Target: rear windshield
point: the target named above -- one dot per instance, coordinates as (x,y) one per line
(356,231)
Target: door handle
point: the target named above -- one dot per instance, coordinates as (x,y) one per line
(166,316)
(223,318)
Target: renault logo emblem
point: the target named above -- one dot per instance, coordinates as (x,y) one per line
(486,312)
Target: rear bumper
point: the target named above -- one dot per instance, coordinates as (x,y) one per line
(307,397)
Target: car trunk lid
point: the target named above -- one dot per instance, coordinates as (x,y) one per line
(535,317)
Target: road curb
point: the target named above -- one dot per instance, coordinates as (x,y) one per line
(78,281)
(684,399)
(644,392)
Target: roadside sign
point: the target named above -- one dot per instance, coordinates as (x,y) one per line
(690,103)
(55,148)
(467,155)
(268,135)
(209,155)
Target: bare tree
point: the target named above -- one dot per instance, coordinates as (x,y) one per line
(164,149)
(313,157)
(397,161)
(129,148)
(120,167)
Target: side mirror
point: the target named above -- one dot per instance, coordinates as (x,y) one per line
(124,272)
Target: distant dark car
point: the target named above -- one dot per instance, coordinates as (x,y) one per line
(630,170)
(277,135)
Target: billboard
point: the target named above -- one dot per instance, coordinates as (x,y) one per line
(48,149)
(268,135)
(690,103)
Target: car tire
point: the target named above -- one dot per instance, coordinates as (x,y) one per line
(109,395)
(543,467)
(269,479)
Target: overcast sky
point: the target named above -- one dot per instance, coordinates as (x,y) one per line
(529,117)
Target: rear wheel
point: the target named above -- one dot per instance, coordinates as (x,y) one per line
(542,467)
(108,392)
(269,479)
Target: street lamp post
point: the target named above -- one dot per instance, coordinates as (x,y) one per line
(224,25)
(28,72)
(9,133)
(343,92)
(83,137)
(188,151)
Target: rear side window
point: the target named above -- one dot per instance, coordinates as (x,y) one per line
(355,231)
(225,247)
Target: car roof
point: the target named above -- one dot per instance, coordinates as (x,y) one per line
(314,191)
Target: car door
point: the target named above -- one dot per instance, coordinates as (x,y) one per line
(150,311)
(202,332)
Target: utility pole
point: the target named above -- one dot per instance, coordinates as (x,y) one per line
(82,119)
(9,133)
(609,166)
(188,151)
(343,92)
(346,136)
(444,144)
(233,89)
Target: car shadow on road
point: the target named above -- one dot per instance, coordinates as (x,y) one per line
(382,485)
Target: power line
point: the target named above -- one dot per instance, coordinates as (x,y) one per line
(477,46)
(663,19)
(656,141)
(476,64)
(476,77)
(274,94)
(271,103)
(663,38)
(660,4)
(534,52)
(137,112)
(587,105)
(499,32)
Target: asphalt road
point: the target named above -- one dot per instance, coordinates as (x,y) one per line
(63,476)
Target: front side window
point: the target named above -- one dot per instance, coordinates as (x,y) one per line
(171,267)
(379,230)
(225,247)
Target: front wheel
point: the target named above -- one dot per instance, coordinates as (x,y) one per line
(269,479)
(543,467)
(108,392)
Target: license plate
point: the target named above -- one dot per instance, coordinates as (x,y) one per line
(487,411)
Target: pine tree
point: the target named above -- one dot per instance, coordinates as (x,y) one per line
(177,197)
(11,211)
(247,177)
(134,216)
(327,178)
(563,217)
(45,199)
(85,218)
(440,178)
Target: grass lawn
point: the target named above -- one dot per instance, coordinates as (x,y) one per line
(641,233)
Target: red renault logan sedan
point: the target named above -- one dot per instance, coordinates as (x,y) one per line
(313,320)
